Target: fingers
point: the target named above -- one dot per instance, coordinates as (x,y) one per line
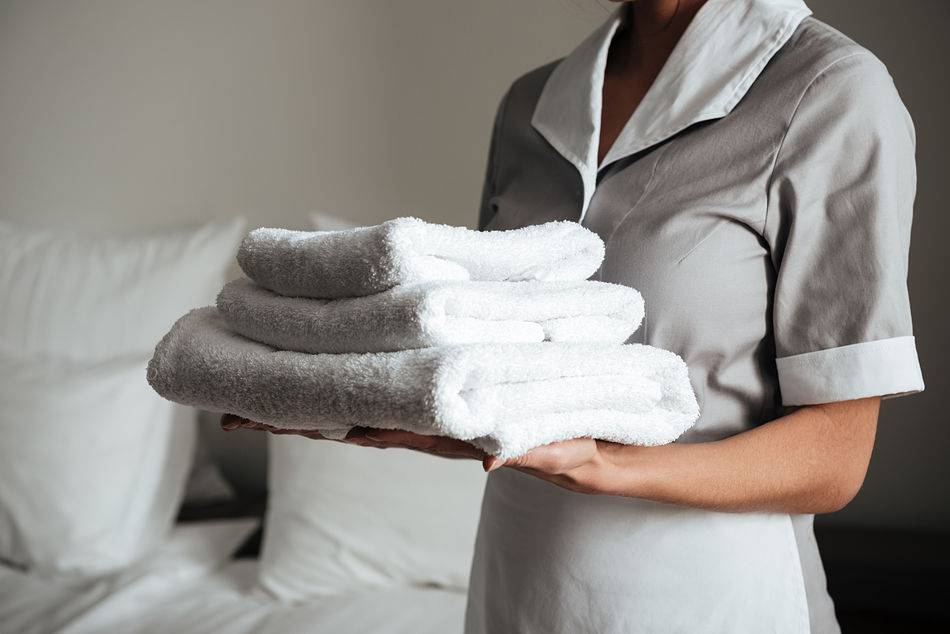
(357,436)
(356,432)
(230,422)
(438,445)
(553,459)
(369,437)
(526,461)
(399,437)
(490,463)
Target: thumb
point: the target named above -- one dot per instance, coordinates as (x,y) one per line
(490,463)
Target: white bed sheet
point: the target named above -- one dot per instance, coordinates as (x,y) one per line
(36,605)
(190,587)
(227,602)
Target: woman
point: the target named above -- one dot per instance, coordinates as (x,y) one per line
(751,171)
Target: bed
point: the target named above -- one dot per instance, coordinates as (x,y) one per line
(192,585)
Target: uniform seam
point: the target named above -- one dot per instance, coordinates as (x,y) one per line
(693,248)
(849,350)
(647,189)
(788,128)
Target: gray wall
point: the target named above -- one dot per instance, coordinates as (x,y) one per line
(121,115)
(909,479)
(130,114)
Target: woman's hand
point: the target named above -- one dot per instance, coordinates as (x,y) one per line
(369,437)
(436,445)
(576,464)
(230,422)
(572,464)
(811,460)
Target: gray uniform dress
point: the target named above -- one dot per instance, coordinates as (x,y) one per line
(760,199)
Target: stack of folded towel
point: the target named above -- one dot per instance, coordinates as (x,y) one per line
(496,338)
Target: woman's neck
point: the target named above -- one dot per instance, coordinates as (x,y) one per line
(650,17)
(650,28)
(648,34)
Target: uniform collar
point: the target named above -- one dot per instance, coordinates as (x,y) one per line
(718,57)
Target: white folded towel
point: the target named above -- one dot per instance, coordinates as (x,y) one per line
(504,398)
(434,314)
(355,262)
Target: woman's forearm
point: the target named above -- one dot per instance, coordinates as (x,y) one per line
(810,461)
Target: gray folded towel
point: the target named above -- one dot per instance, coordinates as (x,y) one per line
(434,314)
(504,398)
(356,262)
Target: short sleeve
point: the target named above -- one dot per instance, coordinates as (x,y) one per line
(485,211)
(840,204)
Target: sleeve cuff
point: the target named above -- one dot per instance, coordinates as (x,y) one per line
(886,368)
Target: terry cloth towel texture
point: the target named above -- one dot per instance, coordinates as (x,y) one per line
(367,260)
(504,398)
(434,314)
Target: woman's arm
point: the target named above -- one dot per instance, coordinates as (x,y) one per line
(812,460)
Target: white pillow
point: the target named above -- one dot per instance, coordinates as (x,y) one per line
(341,518)
(95,299)
(92,464)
